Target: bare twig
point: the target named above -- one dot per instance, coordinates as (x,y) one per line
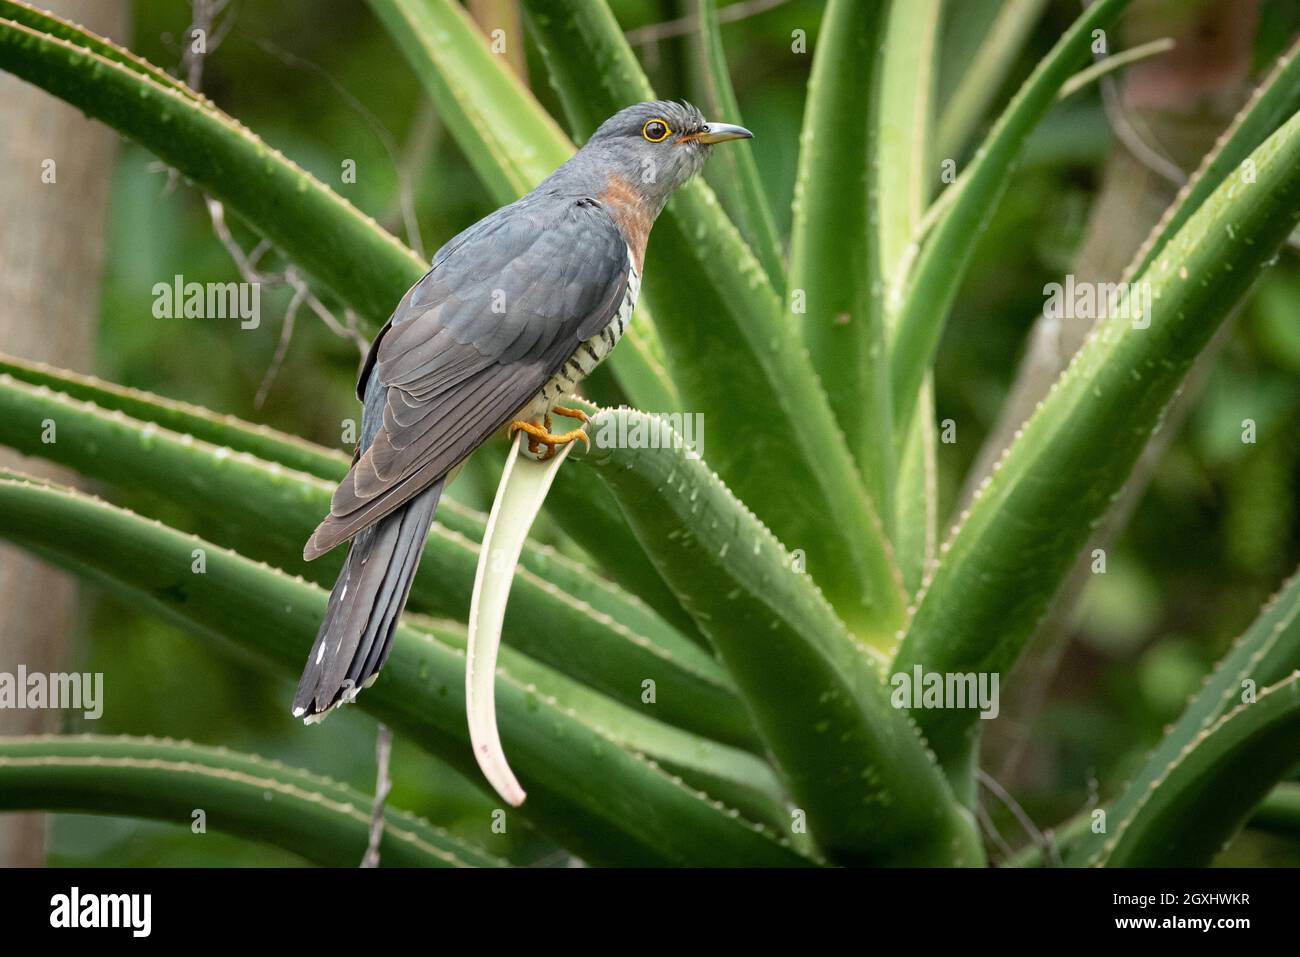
(405,193)
(991,829)
(654,32)
(204,17)
(300,292)
(247,264)
(383,785)
(205,13)
(1016,810)
(1125,127)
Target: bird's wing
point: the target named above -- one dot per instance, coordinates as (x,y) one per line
(503,308)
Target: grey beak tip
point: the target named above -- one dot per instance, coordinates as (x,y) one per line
(722,132)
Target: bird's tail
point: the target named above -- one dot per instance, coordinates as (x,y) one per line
(357,633)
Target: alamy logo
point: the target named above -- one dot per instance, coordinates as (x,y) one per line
(1099,300)
(130,911)
(58,691)
(666,430)
(211,300)
(957,691)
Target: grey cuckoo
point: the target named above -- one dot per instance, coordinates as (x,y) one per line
(513,313)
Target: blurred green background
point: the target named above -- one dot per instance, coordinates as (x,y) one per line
(1211,537)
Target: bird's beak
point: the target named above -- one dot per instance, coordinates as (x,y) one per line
(721,132)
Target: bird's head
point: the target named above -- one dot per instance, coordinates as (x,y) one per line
(656,146)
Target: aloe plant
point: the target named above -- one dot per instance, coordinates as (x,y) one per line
(197,787)
(714,678)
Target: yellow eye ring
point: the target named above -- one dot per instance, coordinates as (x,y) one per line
(656,131)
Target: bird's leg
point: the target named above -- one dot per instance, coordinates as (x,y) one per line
(539,435)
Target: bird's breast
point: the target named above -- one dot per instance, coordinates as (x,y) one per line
(591,352)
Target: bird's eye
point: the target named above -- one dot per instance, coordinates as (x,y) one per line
(656,131)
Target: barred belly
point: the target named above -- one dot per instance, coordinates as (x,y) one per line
(591,352)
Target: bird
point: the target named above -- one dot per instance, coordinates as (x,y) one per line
(513,313)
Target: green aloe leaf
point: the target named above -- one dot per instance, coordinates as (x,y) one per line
(1003,562)
(916,532)
(938,271)
(903,175)
(1264,655)
(182,417)
(836,264)
(1274,100)
(854,764)
(639,813)
(734,171)
(512,143)
(989,67)
(323,821)
(589,516)
(1208,792)
(904,103)
(509,140)
(568,615)
(334,242)
(771,433)
(740,779)
(42,22)
(1279,813)
(1113,63)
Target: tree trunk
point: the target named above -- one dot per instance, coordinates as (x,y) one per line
(51,254)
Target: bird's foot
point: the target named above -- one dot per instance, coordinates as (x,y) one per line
(569,413)
(539,435)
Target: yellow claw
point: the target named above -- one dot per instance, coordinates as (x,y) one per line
(541,435)
(567,412)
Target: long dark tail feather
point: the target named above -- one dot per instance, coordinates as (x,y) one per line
(357,634)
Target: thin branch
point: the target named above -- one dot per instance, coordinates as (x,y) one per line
(1016,810)
(654,32)
(245,263)
(300,293)
(383,785)
(1114,62)
(405,193)
(1123,124)
(1126,131)
(205,13)
(991,829)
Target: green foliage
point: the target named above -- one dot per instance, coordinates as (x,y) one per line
(744,198)
(325,822)
(933,282)
(1262,658)
(761,590)
(837,268)
(629,818)
(870,788)
(331,239)
(591,628)
(1011,549)
(1204,797)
